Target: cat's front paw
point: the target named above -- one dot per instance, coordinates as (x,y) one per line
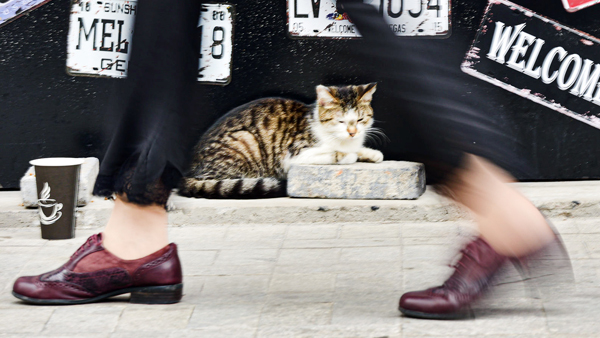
(370,155)
(346,158)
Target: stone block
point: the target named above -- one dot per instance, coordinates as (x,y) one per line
(393,180)
(87,178)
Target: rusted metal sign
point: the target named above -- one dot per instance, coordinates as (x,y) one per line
(12,9)
(575,5)
(539,59)
(100,39)
(216,45)
(319,18)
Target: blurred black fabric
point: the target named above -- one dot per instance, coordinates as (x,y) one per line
(431,96)
(151,144)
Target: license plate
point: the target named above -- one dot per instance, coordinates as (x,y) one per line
(100,39)
(12,9)
(575,5)
(319,18)
(539,59)
(216,45)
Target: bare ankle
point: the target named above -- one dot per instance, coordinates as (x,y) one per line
(135,231)
(508,221)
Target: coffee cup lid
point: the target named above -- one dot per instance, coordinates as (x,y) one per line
(56,161)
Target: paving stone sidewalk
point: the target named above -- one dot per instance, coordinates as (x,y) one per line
(306,280)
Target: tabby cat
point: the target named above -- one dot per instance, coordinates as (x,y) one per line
(247,153)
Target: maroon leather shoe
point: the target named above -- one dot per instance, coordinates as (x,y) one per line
(93,274)
(474,273)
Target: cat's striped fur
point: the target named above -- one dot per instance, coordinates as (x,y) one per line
(247,152)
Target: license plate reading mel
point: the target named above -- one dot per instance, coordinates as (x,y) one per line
(100,39)
(319,18)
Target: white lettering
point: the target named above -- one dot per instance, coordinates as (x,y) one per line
(587,82)
(547,79)
(573,72)
(596,99)
(502,40)
(562,71)
(533,58)
(519,49)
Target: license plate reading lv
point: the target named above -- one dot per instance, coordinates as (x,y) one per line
(319,18)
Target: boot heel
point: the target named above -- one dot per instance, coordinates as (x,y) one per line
(547,271)
(532,288)
(164,294)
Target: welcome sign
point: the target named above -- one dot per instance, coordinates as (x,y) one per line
(539,59)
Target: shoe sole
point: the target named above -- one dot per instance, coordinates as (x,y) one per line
(164,294)
(463,314)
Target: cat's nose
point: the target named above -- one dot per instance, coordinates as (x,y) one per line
(352,132)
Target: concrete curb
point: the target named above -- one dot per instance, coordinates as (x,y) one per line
(555,199)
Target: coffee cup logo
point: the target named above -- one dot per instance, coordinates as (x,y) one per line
(46,202)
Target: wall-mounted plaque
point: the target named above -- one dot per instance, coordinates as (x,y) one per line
(539,59)
(319,18)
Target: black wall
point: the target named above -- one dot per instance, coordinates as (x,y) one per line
(45,112)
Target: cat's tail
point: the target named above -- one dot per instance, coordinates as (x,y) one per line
(233,188)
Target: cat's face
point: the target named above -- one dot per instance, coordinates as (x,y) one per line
(345,112)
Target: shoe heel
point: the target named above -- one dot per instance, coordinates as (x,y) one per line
(164,294)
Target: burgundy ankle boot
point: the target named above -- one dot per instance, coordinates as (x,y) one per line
(547,271)
(474,272)
(93,274)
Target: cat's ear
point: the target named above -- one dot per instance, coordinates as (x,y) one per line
(366,92)
(325,98)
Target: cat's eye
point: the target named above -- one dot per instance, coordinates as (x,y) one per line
(341,121)
(360,120)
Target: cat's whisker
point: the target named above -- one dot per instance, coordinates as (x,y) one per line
(372,139)
(377,139)
(378,134)
(376,129)
(382,135)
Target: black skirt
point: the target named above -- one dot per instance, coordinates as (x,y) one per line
(150,147)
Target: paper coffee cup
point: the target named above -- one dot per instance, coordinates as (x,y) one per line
(57,180)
